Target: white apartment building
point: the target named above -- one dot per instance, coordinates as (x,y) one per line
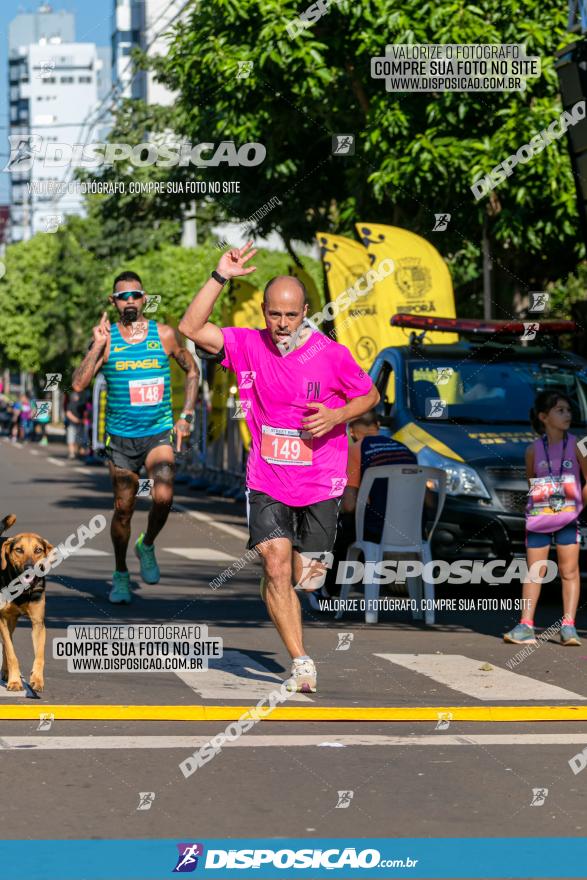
(54,86)
(143,24)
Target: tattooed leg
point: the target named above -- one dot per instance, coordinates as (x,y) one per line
(125,484)
(161,469)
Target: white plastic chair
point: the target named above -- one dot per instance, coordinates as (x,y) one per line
(402,529)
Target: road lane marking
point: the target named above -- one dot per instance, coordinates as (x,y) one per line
(255,741)
(235,676)
(9,694)
(34,452)
(57,462)
(89,551)
(200,554)
(104,712)
(196,514)
(462,674)
(206,518)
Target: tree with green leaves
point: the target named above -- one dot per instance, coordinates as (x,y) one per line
(416,153)
(55,289)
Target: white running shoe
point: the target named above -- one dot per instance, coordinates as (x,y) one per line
(303,677)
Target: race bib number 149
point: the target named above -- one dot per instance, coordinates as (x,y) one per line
(286,446)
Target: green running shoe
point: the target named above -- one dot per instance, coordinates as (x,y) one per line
(120,593)
(149,569)
(522,634)
(569,635)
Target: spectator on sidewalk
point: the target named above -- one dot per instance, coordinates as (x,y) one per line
(21,419)
(41,421)
(76,433)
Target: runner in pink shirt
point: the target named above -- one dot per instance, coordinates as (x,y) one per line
(298,389)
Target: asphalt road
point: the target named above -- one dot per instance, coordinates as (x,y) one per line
(83,779)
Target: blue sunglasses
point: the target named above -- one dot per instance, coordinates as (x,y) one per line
(129,294)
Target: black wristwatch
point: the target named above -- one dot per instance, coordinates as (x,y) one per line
(188,417)
(215,275)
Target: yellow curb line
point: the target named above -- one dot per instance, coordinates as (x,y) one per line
(294,713)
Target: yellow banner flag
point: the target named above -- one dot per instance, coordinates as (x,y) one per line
(314,298)
(419,285)
(345,260)
(247,300)
(221,384)
(246,312)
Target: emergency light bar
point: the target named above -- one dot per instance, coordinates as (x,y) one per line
(477,326)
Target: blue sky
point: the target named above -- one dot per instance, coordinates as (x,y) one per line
(92,25)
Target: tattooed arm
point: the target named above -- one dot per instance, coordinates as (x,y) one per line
(95,357)
(174,347)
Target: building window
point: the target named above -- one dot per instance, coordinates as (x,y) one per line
(66,79)
(84,79)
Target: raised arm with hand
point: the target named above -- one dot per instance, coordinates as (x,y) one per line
(195,323)
(94,359)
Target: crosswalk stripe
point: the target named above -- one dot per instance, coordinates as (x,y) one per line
(206,518)
(10,694)
(232,530)
(200,554)
(89,551)
(43,742)
(235,676)
(57,462)
(463,674)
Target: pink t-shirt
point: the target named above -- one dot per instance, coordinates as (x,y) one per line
(275,390)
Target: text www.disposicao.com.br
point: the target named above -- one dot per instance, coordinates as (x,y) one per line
(132,664)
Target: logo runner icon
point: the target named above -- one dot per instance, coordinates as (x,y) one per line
(187,860)
(343,145)
(22,150)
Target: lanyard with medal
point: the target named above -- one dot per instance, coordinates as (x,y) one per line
(557,499)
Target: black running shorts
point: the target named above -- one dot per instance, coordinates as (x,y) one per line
(310,529)
(130,452)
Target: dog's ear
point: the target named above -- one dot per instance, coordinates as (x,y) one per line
(6,548)
(47,547)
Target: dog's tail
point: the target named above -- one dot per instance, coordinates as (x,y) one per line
(7,522)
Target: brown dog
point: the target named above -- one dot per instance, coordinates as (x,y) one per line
(18,555)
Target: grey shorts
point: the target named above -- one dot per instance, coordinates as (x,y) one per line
(130,452)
